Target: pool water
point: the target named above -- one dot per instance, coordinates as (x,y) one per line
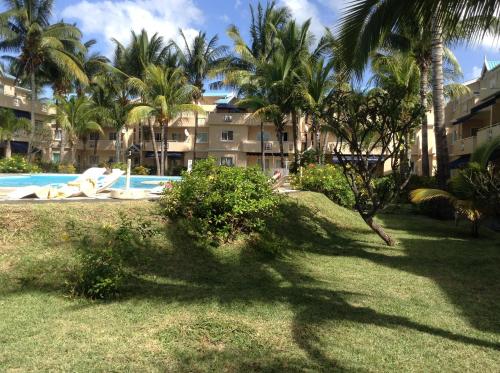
(48,179)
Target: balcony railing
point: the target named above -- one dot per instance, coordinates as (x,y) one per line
(173,146)
(101,144)
(469,144)
(23,103)
(253,146)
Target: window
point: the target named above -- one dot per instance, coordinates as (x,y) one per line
(227,136)
(267,163)
(268,146)
(17,102)
(112,136)
(58,135)
(493,83)
(56,157)
(266,136)
(157,137)
(2,90)
(94,136)
(228,118)
(202,138)
(226,161)
(473,131)
(285,136)
(201,121)
(176,136)
(94,159)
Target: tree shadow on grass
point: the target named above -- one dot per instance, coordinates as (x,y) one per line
(187,273)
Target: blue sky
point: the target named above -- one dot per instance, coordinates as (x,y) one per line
(104,19)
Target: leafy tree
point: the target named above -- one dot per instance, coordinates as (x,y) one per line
(9,125)
(166,95)
(25,28)
(371,130)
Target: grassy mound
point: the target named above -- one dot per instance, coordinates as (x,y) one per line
(334,297)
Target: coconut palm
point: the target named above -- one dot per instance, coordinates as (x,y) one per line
(201,59)
(167,94)
(25,28)
(77,116)
(9,125)
(475,190)
(366,23)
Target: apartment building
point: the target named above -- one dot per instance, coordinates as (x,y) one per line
(474,119)
(19,100)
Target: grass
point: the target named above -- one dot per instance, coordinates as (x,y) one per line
(336,299)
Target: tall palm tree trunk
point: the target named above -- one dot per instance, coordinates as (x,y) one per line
(295,130)
(166,148)
(195,130)
(262,160)
(141,143)
(96,141)
(424,78)
(317,134)
(118,147)
(155,148)
(8,149)
(32,114)
(443,171)
(162,148)
(73,152)
(279,132)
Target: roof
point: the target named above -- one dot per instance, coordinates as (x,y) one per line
(490,65)
(226,100)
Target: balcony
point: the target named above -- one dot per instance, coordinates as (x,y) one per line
(253,146)
(102,145)
(233,119)
(488,133)
(22,103)
(463,146)
(173,146)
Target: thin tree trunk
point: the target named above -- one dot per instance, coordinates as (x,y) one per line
(162,148)
(262,161)
(443,172)
(166,148)
(195,131)
(73,153)
(8,149)
(33,123)
(280,140)
(155,148)
(295,130)
(96,144)
(380,231)
(141,142)
(324,148)
(84,157)
(317,137)
(424,80)
(118,147)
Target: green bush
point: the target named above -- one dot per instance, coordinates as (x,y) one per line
(47,166)
(119,165)
(17,165)
(438,208)
(102,253)
(328,180)
(66,169)
(218,202)
(140,170)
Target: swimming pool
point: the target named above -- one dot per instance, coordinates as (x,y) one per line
(15,181)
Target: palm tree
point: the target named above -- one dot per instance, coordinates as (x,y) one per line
(25,28)
(167,94)
(201,59)
(240,73)
(9,124)
(77,116)
(475,190)
(366,23)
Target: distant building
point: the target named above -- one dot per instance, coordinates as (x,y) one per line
(474,119)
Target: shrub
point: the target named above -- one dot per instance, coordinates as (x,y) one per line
(102,253)
(328,180)
(16,165)
(66,169)
(218,202)
(437,209)
(140,170)
(47,166)
(119,165)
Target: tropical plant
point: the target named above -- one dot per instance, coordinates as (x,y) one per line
(366,23)
(17,164)
(474,191)
(9,125)
(25,28)
(367,124)
(167,94)
(78,117)
(201,59)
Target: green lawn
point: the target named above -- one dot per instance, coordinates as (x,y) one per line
(336,299)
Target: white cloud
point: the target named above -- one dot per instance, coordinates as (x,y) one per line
(491,41)
(116,19)
(335,5)
(237,3)
(224,18)
(476,72)
(302,10)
